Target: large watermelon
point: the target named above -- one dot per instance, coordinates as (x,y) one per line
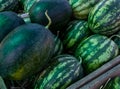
(9,21)
(25,51)
(59,11)
(104,18)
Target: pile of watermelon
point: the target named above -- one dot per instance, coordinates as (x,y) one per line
(51,44)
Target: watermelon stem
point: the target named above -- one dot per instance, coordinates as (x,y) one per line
(2,84)
(80,59)
(25,17)
(49,19)
(114,36)
(102,87)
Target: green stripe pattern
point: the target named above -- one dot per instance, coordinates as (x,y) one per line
(58,46)
(114,83)
(66,70)
(117,39)
(8,4)
(81,8)
(95,51)
(75,33)
(28,4)
(104,18)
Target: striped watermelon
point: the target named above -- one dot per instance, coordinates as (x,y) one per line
(28,4)
(117,39)
(81,8)
(114,83)
(95,51)
(6,5)
(104,18)
(58,46)
(64,71)
(76,31)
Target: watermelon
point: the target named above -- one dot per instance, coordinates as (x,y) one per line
(95,51)
(75,33)
(9,21)
(25,50)
(81,8)
(114,83)
(104,18)
(27,4)
(58,11)
(58,46)
(117,39)
(60,74)
(6,5)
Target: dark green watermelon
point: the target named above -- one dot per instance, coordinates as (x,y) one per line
(59,11)
(74,34)
(95,51)
(25,51)
(8,21)
(65,70)
(104,18)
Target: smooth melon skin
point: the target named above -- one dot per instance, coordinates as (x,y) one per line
(9,21)
(25,51)
(59,12)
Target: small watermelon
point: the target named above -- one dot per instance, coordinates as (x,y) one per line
(75,33)
(95,51)
(81,8)
(104,18)
(60,74)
